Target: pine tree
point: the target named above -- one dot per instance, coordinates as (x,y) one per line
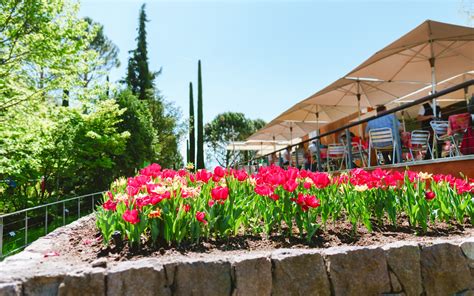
(200,130)
(139,78)
(192,136)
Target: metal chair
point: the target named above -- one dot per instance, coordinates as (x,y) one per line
(440,131)
(336,155)
(419,142)
(381,140)
(358,152)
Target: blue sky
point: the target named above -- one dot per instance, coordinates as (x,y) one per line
(260,57)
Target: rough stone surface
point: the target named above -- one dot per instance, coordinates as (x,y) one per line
(467,247)
(252,275)
(144,277)
(403,260)
(358,271)
(101,262)
(296,273)
(91,282)
(201,278)
(401,268)
(396,286)
(10,289)
(42,285)
(445,269)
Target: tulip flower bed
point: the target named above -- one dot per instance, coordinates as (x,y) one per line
(170,206)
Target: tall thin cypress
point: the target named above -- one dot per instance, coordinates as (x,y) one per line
(187,151)
(139,78)
(192,136)
(200,132)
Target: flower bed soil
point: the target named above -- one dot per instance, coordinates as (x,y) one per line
(85,243)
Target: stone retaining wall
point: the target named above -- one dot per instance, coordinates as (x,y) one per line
(403,268)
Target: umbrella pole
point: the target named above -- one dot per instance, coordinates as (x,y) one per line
(291,143)
(403,121)
(274,149)
(358,108)
(433,77)
(317,118)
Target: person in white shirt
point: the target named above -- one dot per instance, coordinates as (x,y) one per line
(425,114)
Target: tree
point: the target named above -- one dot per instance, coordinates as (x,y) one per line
(43,46)
(107,51)
(200,120)
(164,116)
(71,151)
(142,145)
(192,136)
(225,128)
(139,78)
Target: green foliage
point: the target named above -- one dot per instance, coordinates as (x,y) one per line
(48,55)
(139,77)
(106,50)
(44,47)
(225,128)
(70,150)
(171,207)
(142,144)
(200,125)
(192,136)
(164,116)
(169,130)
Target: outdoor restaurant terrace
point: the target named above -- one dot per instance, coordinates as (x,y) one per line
(409,104)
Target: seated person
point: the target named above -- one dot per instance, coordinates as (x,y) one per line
(286,157)
(385,121)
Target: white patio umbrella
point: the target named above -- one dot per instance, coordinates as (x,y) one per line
(444,101)
(314,113)
(431,52)
(282,130)
(462,94)
(360,92)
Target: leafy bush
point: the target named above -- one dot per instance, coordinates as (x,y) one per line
(172,206)
(55,150)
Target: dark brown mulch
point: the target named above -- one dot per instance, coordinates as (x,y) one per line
(85,243)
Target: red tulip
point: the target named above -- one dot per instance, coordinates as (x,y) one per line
(110,205)
(320,180)
(203,176)
(263,190)
(219,171)
(200,216)
(306,201)
(131,216)
(275,196)
(240,175)
(290,185)
(429,195)
(220,193)
(153,170)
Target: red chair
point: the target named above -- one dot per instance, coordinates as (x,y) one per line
(459,123)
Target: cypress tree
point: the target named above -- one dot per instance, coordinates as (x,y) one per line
(139,78)
(187,151)
(192,137)
(200,131)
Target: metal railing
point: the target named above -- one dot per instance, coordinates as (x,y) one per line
(30,226)
(465,85)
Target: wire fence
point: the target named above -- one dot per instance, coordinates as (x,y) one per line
(21,228)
